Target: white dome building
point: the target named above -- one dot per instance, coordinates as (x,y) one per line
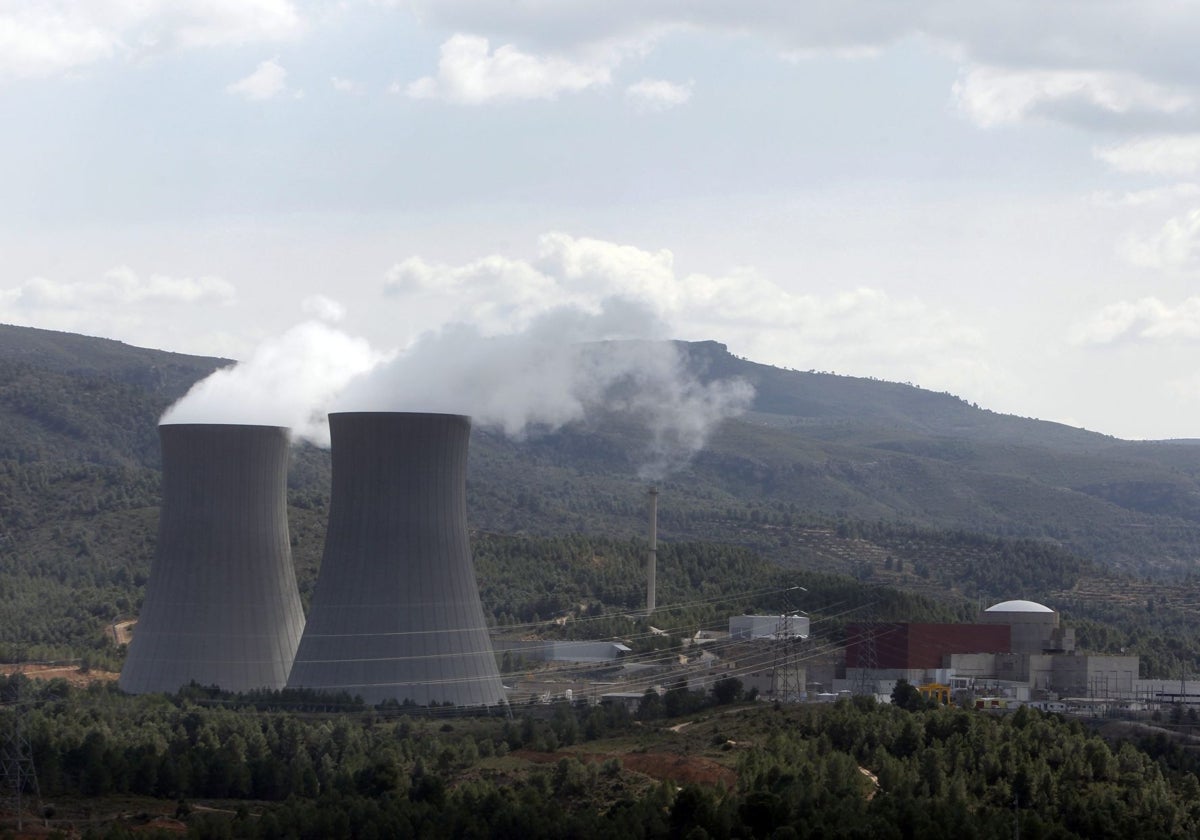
(1034,627)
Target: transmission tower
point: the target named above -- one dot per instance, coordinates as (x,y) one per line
(17,774)
(788,684)
(865,681)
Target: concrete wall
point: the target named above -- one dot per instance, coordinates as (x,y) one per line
(568,651)
(395,613)
(768,626)
(1168,691)
(973,665)
(1032,632)
(221,604)
(1085,675)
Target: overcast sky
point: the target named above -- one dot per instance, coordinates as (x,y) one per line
(996,199)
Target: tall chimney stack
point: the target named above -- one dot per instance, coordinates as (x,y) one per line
(652,558)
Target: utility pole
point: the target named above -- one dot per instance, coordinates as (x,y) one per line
(652,556)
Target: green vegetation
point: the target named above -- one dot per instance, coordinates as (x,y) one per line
(239,770)
(833,495)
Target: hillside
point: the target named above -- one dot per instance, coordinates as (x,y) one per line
(121,766)
(885,482)
(861,449)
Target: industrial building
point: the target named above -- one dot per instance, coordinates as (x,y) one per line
(1018,648)
(395,614)
(749,627)
(905,647)
(221,605)
(568,651)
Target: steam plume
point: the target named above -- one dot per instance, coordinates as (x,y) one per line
(287,381)
(564,366)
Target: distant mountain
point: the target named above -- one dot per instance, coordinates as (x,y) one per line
(836,446)
(889,483)
(156,371)
(66,397)
(831,402)
(860,449)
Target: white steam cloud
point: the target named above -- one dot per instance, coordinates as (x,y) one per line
(287,381)
(567,365)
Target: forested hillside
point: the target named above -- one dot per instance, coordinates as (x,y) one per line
(848,499)
(226,767)
(882,483)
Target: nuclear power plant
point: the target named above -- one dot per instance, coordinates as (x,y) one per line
(395,614)
(221,604)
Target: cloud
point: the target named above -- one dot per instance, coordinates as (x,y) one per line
(346,86)
(268,80)
(1156,37)
(561,367)
(861,329)
(569,26)
(289,381)
(1171,154)
(994,96)
(1175,247)
(1075,61)
(120,287)
(323,308)
(658,94)
(1171,194)
(119,304)
(469,73)
(56,36)
(211,23)
(1146,319)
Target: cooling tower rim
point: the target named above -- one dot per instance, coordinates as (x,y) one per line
(201,425)
(398,414)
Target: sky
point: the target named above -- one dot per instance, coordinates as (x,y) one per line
(1000,200)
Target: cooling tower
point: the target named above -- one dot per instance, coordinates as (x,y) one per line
(395,614)
(221,604)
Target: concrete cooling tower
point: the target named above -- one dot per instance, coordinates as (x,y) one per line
(221,603)
(396,614)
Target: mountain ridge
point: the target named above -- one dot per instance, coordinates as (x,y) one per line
(884,482)
(836,445)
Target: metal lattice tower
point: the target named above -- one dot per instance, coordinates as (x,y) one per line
(865,681)
(16,757)
(789,687)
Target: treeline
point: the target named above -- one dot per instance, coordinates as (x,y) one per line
(851,769)
(61,606)
(525,580)
(91,418)
(981,564)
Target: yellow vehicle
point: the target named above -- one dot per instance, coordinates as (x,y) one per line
(935,691)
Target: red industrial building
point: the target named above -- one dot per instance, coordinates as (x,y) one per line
(905,646)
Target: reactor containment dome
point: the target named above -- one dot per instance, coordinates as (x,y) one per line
(395,614)
(221,605)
